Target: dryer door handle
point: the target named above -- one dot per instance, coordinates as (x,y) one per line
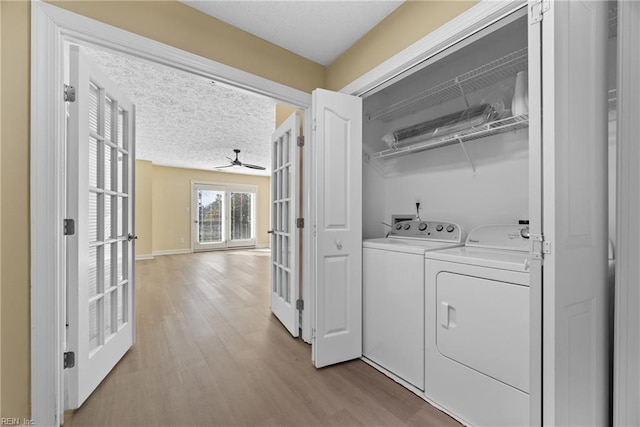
(444,314)
(447,315)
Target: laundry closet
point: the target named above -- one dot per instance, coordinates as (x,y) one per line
(449,141)
(470,167)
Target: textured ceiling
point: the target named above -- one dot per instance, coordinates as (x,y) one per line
(317,30)
(183,120)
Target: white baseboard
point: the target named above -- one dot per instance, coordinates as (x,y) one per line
(172,252)
(143,257)
(263,245)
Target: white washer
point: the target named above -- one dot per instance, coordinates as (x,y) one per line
(393,295)
(477,327)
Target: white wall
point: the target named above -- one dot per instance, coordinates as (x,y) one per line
(373,202)
(447,188)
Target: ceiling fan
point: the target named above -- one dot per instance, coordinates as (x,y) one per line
(236,162)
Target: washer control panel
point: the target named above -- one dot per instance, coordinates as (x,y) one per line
(433,230)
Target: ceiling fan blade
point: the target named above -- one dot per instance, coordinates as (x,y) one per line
(247,165)
(226,166)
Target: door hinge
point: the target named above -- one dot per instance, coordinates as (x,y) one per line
(301,141)
(300,304)
(69,227)
(69,93)
(540,247)
(69,359)
(300,223)
(537,9)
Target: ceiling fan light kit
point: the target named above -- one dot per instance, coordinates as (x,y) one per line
(236,162)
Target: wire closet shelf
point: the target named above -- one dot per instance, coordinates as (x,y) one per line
(477,132)
(471,81)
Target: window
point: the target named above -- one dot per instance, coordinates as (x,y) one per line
(224,216)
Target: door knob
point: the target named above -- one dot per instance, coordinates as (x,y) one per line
(270,231)
(339,244)
(131,237)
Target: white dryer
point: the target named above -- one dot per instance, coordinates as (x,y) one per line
(393,296)
(477,327)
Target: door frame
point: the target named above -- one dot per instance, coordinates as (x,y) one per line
(626,381)
(51,28)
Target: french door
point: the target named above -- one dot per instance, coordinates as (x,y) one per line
(285,246)
(224,216)
(100,245)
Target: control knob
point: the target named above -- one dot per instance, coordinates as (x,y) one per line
(422,226)
(524,232)
(439,227)
(398,226)
(407,226)
(450,228)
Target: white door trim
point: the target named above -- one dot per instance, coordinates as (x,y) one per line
(626,381)
(51,27)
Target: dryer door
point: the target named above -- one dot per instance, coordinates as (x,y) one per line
(484,325)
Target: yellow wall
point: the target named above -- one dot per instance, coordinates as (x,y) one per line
(144,218)
(14,202)
(177,25)
(0,213)
(406,25)
(171,204)
(283,111)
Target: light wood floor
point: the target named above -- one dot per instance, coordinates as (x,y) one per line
(209,352)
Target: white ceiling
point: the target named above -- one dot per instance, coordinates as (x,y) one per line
(317,30)
(187,121)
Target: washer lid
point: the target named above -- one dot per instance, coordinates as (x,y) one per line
(483,257)
(416,246)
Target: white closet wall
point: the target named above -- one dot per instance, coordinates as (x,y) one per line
(449,191)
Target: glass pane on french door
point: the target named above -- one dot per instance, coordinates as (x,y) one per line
(241,222)
(210,222)
(108,217)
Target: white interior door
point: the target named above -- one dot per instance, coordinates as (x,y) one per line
(574,223)
(337,125)
(285,260)
(101,253)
